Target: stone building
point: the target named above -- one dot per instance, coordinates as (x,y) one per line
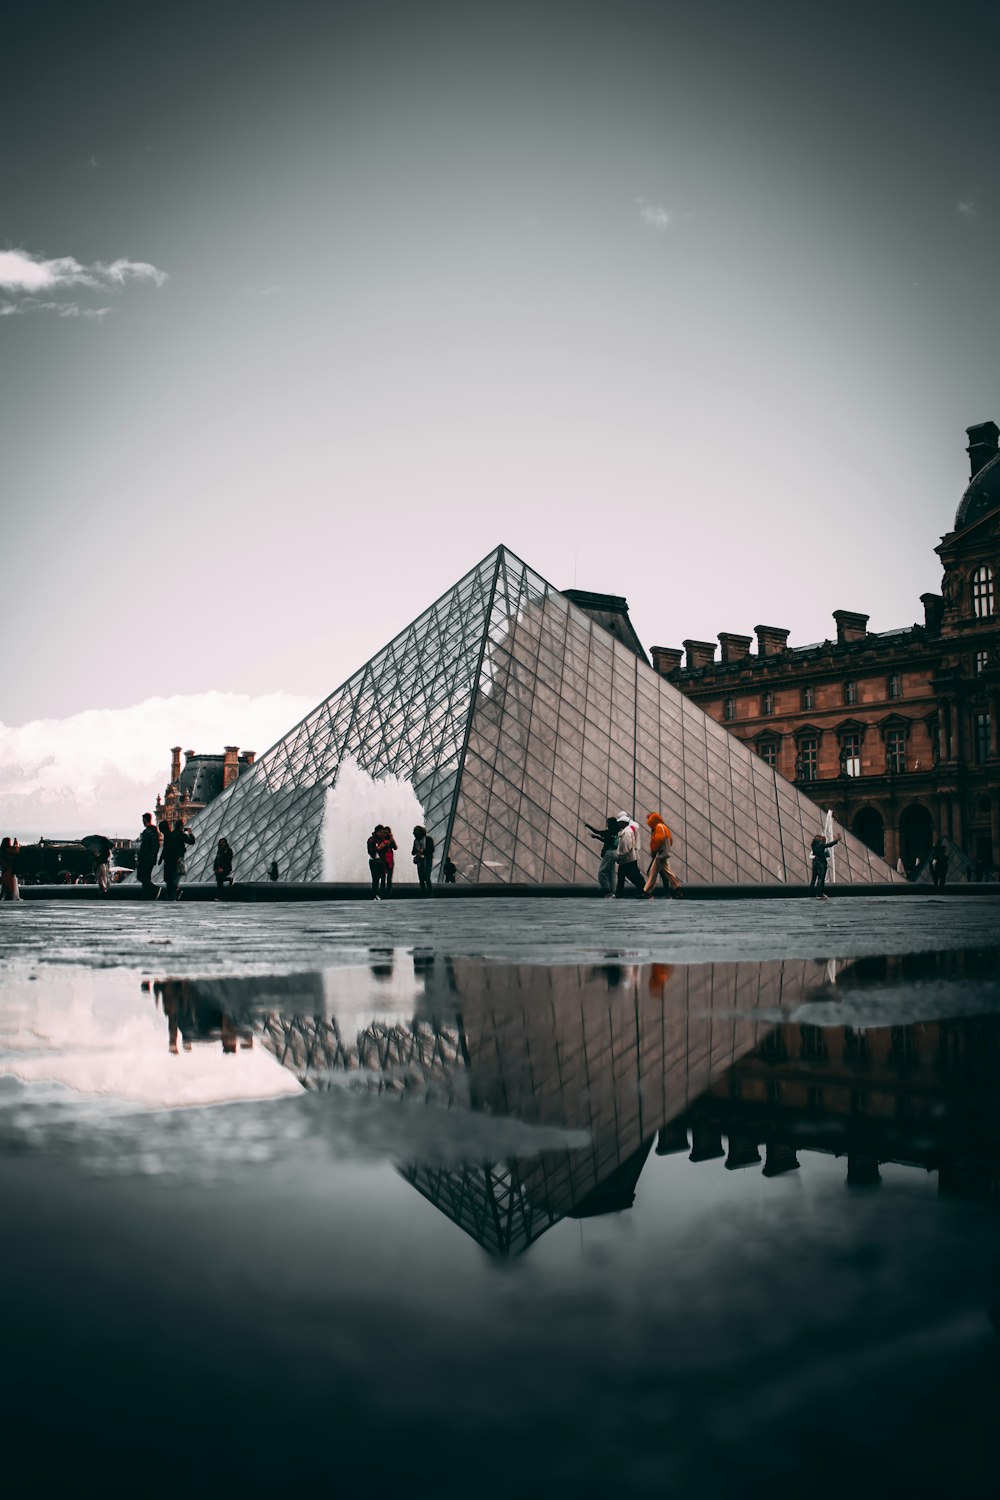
(202,777)
(896,730)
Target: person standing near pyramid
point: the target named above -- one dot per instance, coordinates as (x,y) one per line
(820,861)
(375,862)
(608,838)
(627,856)
(660,843)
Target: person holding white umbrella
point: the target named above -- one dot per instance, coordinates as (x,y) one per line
(821,859)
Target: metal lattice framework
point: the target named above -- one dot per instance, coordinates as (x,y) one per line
(516,718)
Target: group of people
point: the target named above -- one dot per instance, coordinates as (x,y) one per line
(619,864)
(166,845)
(382,849)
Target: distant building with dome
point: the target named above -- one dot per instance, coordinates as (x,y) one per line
(201,779)
(896,731)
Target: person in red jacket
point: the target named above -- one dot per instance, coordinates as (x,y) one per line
(660,843)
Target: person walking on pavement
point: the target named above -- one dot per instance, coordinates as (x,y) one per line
(145,860)
(660,843)
(627,855)
(176,840)
(102,864)
(820,863)
(608,838)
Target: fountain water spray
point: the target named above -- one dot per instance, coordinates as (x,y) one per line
(353,806)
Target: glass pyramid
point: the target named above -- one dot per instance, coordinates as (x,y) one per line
(517,718)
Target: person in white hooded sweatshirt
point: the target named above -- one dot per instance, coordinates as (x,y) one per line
(628,849)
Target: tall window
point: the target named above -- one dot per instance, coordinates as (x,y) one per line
(768,752)
(808,759)
(850,754)
(982,592)
(982,738)
(895,685)
(850,691)
(982,661)
(729,708)
(895,750)
(808,697)
(767,704)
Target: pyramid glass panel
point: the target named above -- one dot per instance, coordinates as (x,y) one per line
(516,719)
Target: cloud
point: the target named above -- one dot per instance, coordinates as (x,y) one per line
(654,214)
(35,281)
(61,309)
(967,208)
(101,769)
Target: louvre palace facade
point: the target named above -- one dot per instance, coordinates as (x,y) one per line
(896,731)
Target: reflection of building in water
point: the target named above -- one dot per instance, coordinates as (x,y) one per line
(923,1095)
(632,1054)
(617,1050)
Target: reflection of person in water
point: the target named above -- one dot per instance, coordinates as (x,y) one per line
(196,1017)
(381,963)
(658,976)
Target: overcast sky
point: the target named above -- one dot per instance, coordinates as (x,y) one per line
(304,307)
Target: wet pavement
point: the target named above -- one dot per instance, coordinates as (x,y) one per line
(553,1197)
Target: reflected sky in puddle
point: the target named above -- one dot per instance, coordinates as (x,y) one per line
(730,1198)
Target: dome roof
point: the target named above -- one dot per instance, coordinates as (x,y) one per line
(982,496)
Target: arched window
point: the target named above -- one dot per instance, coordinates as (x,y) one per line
(982,592)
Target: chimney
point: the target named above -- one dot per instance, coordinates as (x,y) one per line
(770,639)
(249,756)
(933,610)
(699,654)
(666,659)
(230,768)
(982,445)
(850,627)
(188,755)
(734,647)
(175,763)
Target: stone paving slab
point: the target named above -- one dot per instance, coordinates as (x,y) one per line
(226,938)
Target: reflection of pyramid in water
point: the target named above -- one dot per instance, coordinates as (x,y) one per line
(517,718)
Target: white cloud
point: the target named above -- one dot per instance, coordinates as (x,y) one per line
(653,214)
(101,769)
(30,278)
(966,207)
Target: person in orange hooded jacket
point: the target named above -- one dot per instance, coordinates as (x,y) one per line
(660,842)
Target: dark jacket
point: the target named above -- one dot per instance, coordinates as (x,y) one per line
(175,843)
(149,846)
